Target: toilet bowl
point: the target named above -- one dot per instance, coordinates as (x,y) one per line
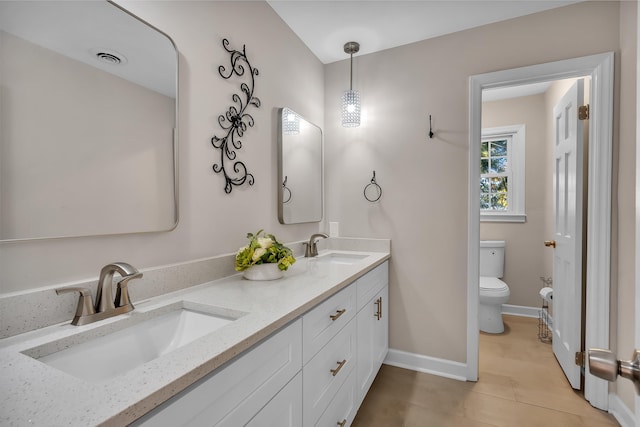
(493,291)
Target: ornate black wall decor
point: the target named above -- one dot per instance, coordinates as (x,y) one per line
(236,120)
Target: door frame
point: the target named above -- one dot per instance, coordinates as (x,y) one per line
(637,260)
(600,68)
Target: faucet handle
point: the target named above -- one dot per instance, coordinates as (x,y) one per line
(85,302)
(122,291)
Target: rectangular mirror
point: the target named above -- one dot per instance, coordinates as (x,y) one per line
(300,154)
(87,121)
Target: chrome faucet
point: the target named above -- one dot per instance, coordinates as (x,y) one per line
(311,249)
(105,305)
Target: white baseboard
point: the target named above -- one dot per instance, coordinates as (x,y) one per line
(621,412)
(427,364)
(521,310)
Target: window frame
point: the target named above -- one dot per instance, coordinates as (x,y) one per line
(516,137)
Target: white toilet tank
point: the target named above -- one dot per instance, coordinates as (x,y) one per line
(492,258)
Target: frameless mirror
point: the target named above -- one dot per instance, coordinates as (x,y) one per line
(87,121)
(300,169)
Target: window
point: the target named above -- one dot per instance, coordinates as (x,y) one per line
(502,174)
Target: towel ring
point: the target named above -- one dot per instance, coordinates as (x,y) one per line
(374,188)
(286,193)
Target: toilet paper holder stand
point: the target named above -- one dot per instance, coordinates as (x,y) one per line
(544,333)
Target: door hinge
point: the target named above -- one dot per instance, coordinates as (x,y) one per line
(580,358)
(583,112)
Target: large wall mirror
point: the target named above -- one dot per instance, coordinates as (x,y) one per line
(87,121)
(300,169)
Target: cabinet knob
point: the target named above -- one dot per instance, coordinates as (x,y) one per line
(342,423)
(550,243)
(335,371)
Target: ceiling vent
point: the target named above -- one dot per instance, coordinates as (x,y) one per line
(109,56)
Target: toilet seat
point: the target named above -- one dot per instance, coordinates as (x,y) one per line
(493,285)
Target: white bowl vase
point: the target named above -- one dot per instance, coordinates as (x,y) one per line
(263,272)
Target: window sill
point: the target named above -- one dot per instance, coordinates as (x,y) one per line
(491,217)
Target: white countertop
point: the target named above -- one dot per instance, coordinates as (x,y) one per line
(33,393)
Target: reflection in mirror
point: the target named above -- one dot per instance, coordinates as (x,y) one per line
(300,169)
(87,120)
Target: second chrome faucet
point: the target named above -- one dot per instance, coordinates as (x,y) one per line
(105,305)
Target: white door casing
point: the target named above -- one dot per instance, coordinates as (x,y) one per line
(637,275)
(600,68)
(567,221)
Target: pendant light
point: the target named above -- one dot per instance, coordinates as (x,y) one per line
(351,98)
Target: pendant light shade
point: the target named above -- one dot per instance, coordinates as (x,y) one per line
(351,108)
(351,98)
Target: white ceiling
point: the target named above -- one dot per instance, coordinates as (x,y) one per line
(326,25)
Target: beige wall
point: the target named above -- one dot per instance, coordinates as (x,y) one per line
(623,297)
(212,222)
(525,254)
(424,206)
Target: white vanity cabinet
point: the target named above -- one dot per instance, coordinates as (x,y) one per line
(233,394)
(313,372)
(372,326)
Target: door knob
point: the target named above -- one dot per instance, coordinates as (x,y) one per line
(605,365)
(550,243)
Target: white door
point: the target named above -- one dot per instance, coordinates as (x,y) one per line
(567,211)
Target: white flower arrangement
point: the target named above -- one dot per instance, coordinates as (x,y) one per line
(263,250)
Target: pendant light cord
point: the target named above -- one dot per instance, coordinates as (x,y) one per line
(351,73)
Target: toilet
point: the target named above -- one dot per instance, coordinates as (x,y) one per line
(493,291)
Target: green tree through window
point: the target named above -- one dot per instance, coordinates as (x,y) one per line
(494,174)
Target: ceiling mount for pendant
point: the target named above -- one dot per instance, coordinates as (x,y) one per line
(351,47)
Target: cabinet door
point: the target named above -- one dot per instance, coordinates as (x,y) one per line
(372,283)
(231,395)
(284,410)
(373,340)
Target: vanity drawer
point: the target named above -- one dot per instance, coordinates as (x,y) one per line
(326,372)
(371,283)
(321,323)
(342,409)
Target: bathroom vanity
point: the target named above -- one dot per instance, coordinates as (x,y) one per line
(298,351)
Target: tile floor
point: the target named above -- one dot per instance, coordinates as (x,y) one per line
(520,384)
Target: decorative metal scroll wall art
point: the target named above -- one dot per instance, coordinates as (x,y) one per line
(235,120)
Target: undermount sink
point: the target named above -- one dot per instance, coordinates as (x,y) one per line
(341,258)
(111,355)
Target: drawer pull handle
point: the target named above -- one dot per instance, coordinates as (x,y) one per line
(339,313)
(334,372)
(342,423)
(378,313)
